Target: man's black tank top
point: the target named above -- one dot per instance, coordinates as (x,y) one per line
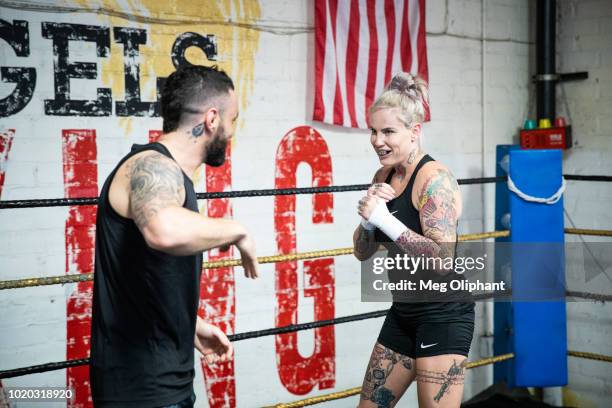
(461,309)
(144,310)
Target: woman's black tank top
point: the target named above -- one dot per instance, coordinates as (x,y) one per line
(144,310)
(431,311)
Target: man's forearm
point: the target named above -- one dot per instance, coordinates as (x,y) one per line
(182,232)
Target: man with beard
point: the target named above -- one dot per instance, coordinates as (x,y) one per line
(149,243)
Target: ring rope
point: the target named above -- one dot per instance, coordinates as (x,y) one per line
(62,202)
(483,235)
(584,231)
(318,399)
(591,296)
(86,277)
(232,337)
(589,356)
(586,177)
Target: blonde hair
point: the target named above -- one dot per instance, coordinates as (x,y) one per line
(409,93)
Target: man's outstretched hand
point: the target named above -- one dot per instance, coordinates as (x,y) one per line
(212,343)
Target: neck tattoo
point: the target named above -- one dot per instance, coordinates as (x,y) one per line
(412,156)
(401,172)
(198,130)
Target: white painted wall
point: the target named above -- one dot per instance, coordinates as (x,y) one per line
(584,43)
(32,321)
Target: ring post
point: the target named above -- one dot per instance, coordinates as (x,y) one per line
(538,334)
(502,323)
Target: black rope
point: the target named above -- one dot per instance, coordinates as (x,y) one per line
(48,202)
(233,337)
(482,180)
(587,178)
(63,202)
(306,326)
(16,372)
(591,296)
(41,368)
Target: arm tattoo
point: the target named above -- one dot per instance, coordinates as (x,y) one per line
(156,182)
(438,213)
(454,376)
(381,364)
(363,244)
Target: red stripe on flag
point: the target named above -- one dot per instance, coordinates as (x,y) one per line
(422,51)
(390,19)
(373,55)
(338,106)
(405,46)
(380,63)
(319,105)
(6,141)
(352,55)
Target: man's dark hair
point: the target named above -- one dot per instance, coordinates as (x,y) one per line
(189,88)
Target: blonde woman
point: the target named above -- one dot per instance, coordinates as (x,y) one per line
(412,207)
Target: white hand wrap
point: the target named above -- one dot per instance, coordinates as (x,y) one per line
(386,222)
(366,225)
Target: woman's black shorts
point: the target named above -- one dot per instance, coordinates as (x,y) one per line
(421,338)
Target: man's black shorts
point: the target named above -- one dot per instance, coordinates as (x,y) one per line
(426,339)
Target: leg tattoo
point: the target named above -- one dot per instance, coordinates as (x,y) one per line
(454,376)
(381,364)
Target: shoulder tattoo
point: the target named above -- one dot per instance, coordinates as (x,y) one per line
(438,206)
(156,182)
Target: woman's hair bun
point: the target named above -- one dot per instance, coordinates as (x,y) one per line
(408,92)
(404,83)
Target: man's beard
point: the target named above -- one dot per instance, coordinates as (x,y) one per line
(215,154)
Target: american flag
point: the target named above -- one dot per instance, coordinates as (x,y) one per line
(359,45)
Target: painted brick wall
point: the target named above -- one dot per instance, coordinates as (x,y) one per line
(584,43)
(274,73)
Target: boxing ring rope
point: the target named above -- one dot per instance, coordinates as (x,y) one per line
(64,202)
(86,277)
(589,356)
(224,263)
(584,231)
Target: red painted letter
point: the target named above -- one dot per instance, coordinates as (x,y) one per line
(299,374)
(217,295)
(80,180)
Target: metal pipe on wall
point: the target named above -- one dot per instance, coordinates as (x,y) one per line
(546,75)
